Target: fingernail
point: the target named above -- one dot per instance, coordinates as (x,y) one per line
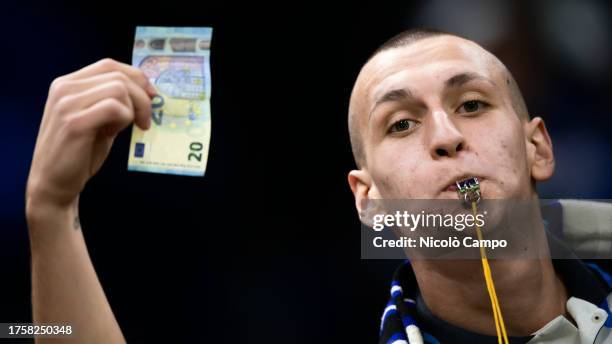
(147,124)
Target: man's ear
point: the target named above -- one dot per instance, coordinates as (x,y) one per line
(363,189)
(539,149)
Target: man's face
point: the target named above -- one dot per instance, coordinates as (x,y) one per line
(437,111)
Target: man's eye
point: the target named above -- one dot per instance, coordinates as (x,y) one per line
(402,125)
(472,106)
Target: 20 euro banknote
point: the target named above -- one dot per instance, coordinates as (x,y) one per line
(177,62)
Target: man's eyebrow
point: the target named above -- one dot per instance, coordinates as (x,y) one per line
(392,96)
(403,94)
(460,79)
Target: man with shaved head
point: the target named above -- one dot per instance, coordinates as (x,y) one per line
(430,108)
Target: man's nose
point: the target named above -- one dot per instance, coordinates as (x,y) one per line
(445,139)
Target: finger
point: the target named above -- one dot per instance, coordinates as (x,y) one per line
(67,97)
(141,100)
(61,85)
(76,102)
(107,113)
(110,65)
(114,84)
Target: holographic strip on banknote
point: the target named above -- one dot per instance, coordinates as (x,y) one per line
(177,62)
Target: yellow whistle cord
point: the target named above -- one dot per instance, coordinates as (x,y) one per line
(500,327)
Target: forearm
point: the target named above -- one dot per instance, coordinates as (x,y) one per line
(84,112)
(65,287)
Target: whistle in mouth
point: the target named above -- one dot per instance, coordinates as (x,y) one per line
(469,190)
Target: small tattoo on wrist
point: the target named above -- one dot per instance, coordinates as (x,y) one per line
(77,222)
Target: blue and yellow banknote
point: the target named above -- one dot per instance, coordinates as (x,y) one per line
(177,62)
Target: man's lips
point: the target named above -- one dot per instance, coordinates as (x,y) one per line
(452,186)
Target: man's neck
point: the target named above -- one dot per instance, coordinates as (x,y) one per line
(529,292)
